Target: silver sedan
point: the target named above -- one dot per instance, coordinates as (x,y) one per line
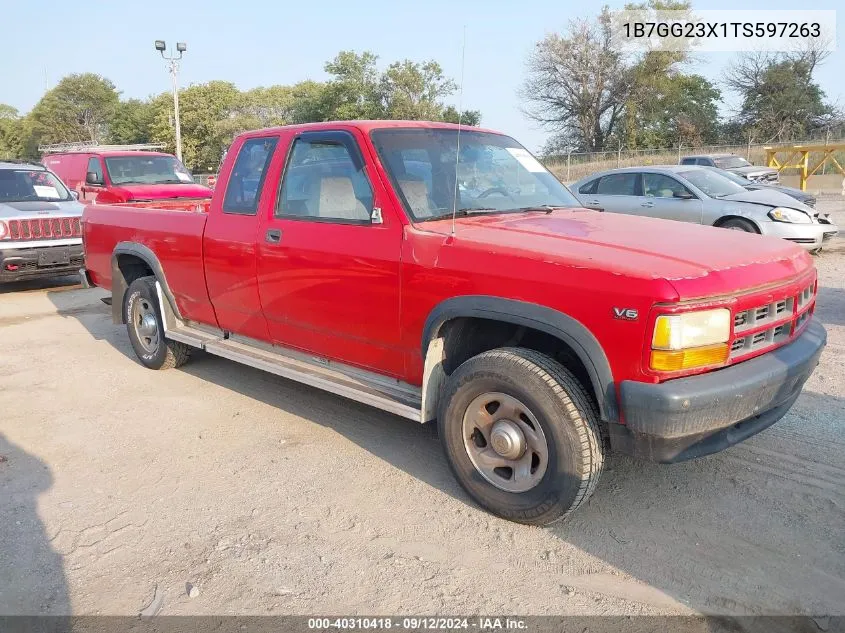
(700,195)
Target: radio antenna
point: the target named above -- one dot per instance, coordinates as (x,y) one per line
(460,117)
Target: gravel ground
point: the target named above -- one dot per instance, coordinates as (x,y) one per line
(119,484)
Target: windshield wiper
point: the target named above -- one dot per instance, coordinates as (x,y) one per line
(465,211)
(547,208)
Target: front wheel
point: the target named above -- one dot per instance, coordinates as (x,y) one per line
(738,224)
(521,435)
(145,328)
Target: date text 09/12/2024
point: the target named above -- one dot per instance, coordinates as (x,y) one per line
(417,623)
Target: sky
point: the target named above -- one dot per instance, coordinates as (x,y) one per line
(263,42)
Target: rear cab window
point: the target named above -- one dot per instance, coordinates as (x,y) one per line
(247,179)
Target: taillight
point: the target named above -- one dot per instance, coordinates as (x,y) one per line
(4,230)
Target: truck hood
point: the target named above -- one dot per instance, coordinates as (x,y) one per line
(159,192)
(698,261)
(40,208)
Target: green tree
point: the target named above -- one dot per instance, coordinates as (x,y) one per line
(202,108)
(409,90)
(780,100)
(681,108)
(79,108)
(12,132)
(353,90)
(131,122)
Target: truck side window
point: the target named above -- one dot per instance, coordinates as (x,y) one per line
(323,183)
(94,166)
(247,177)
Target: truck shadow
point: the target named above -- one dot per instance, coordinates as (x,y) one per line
(756,529)
(40,283)
(715,535)
(32,576)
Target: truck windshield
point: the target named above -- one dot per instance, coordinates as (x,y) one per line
(730,162)
(494,173)
(21,185)
(147,170)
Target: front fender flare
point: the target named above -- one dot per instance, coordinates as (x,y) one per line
(548,320)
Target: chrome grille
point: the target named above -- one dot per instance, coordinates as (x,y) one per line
(754,317)
(779,313)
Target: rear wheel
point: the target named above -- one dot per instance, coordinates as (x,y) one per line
(145,328)
(521,435)
(738,224)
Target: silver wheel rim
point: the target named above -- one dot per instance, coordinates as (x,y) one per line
(146,325)
(505,442)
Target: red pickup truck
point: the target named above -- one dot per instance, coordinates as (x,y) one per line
(442,273)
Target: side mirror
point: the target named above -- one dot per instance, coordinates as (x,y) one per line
(74,195)
(375,216)
(93,178)
(683,195)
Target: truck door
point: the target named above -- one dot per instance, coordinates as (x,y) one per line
(328,259)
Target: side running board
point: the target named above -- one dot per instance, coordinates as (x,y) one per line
(360,385)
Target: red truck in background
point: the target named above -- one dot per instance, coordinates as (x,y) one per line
(110,174)
(442,273)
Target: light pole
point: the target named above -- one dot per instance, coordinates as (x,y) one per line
(173,67)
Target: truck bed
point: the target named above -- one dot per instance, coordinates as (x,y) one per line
(172,229)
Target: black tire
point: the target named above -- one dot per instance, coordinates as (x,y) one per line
(165,354)
(738,224)
(566,414)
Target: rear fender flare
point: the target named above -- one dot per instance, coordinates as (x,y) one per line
(119,284)
(548,320)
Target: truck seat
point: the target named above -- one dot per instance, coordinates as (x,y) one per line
(337,200)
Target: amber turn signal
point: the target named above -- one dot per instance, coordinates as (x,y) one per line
(677,360)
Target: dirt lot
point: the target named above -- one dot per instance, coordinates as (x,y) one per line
(117,483)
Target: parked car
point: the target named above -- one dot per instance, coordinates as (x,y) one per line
(703,196)
(114,175)
(733,163)
(802,196)
(528,327)
(40,230)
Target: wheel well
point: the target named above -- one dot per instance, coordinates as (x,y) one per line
(465,337)
(133,267)
(721,221)
(126,268)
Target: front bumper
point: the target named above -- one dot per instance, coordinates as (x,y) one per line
(690,417)
(808,236)
(26,263)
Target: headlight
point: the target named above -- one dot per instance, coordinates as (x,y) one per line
(793,216)
(691,339)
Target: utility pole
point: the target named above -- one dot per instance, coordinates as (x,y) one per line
(173,67)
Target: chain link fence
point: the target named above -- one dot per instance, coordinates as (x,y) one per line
(576,165)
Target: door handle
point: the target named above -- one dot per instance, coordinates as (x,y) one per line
(647,204)
(273,236)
